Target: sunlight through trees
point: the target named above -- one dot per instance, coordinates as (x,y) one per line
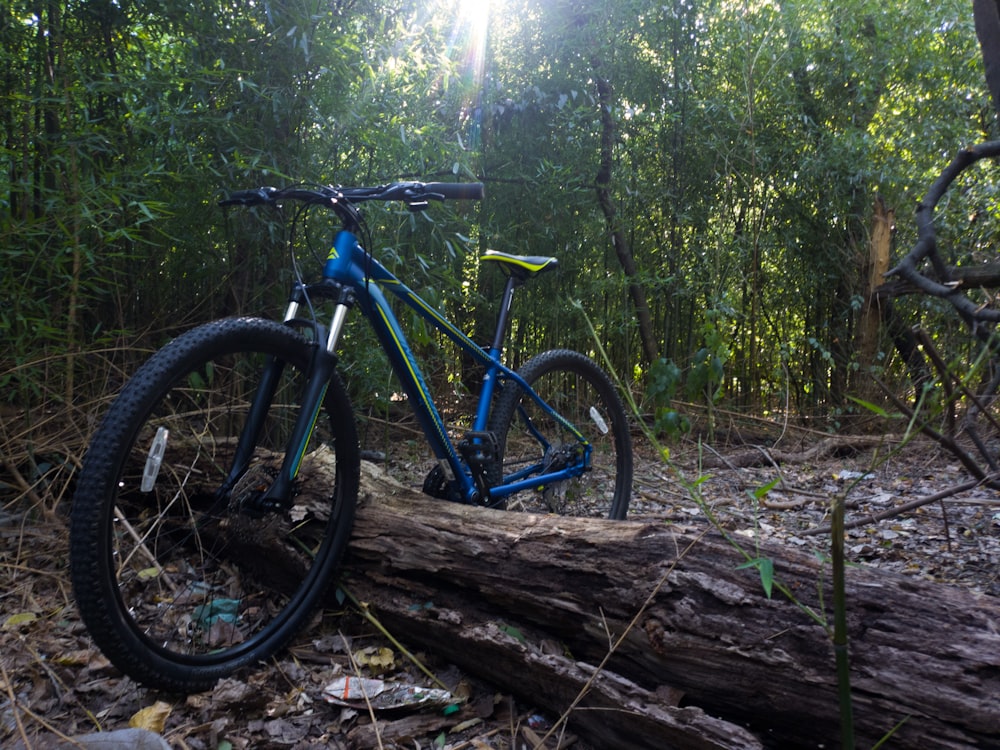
(706,170)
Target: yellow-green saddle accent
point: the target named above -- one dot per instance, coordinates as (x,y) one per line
(520,266)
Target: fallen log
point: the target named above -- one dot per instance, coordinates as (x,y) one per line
(759,455)
(630,615)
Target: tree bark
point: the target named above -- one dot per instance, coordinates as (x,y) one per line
(532,604)
(870,318)
(987,19)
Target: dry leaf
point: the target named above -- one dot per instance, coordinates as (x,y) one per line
(468,724)
(21,618)
(152,717)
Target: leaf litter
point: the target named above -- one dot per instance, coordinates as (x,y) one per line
(55,683)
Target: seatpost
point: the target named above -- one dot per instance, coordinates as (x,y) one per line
(504,317)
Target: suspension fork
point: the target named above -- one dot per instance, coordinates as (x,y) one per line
(321,371)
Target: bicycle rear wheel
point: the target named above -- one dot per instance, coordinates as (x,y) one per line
(531,441)
(177,582)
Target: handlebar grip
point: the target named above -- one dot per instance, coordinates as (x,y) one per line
(461,191)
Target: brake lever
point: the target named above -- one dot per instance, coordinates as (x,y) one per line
(417,198)
(250,197)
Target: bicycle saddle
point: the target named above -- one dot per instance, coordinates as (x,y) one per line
(521,266)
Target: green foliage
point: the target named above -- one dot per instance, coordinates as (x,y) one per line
(661,387)
(703,381)
(763,565)
(707,375)
(745,176)
(765,568)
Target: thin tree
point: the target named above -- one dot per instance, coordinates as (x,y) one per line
(605,100)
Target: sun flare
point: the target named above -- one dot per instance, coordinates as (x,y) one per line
(468,49)
(476,14)
(470,34)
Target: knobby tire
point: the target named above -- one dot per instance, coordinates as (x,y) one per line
(177,585)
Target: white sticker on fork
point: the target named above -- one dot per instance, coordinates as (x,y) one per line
(153,460)
(598,420)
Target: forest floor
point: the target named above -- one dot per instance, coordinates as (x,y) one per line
(54,683)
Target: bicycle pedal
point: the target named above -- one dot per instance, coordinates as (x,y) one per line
(480,451)
(479,448)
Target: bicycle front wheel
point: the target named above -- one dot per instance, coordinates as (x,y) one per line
(531,441)
(178,583)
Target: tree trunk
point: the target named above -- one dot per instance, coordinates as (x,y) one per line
(532,604)
(872,313)
(870,318)
(623,250)
(987,18)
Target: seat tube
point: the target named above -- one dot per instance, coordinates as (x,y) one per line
(504,317)
(486,394)
(495,352)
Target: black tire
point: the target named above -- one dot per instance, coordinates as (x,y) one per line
(176,585)
(583,394)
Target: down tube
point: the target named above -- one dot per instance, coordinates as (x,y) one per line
(396,347)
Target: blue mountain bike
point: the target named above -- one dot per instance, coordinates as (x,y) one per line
(218,493)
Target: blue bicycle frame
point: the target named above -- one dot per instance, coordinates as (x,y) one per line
(350,267)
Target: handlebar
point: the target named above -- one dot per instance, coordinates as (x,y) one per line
(416,195)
